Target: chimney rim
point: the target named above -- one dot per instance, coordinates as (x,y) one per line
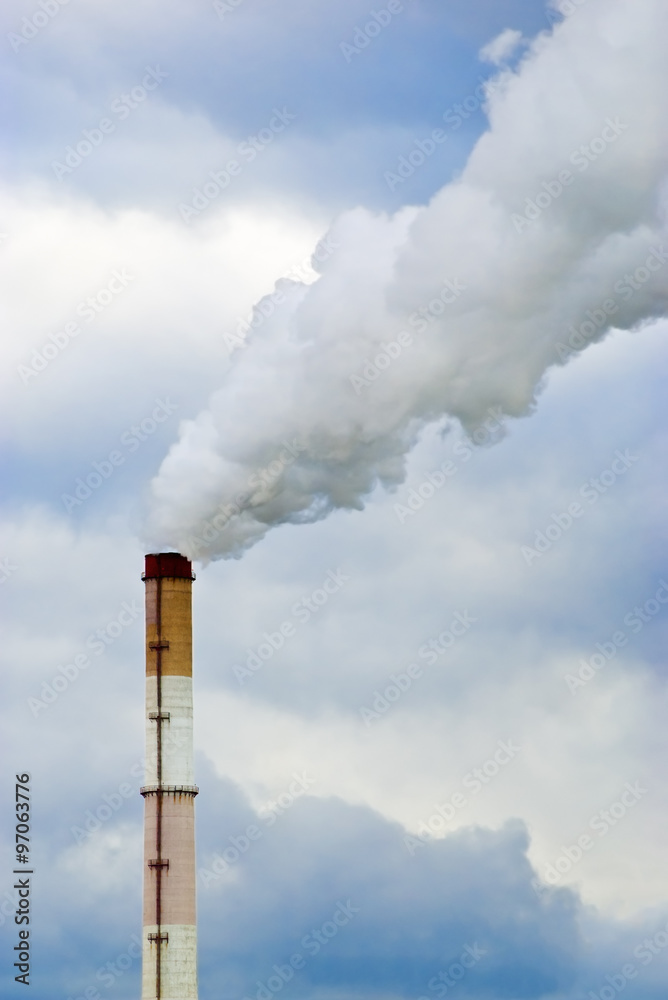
(161,565)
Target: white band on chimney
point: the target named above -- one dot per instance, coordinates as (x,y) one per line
(177,731)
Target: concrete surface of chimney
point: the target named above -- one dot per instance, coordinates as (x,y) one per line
(169,959)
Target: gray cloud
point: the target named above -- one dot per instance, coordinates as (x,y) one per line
(335,885)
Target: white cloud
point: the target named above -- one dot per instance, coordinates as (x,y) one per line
(503,261)
(184,286)
(501,48)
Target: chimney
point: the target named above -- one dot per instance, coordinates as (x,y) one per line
(169,951)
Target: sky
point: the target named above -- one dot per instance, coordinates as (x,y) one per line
(371,297)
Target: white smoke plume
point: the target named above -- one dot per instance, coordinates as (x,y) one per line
(553,233)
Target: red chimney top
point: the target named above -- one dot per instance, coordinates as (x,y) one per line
(161,564)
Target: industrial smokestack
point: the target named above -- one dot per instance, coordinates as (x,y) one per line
(169,961)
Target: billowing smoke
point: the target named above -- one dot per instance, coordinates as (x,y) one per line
(553,234)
